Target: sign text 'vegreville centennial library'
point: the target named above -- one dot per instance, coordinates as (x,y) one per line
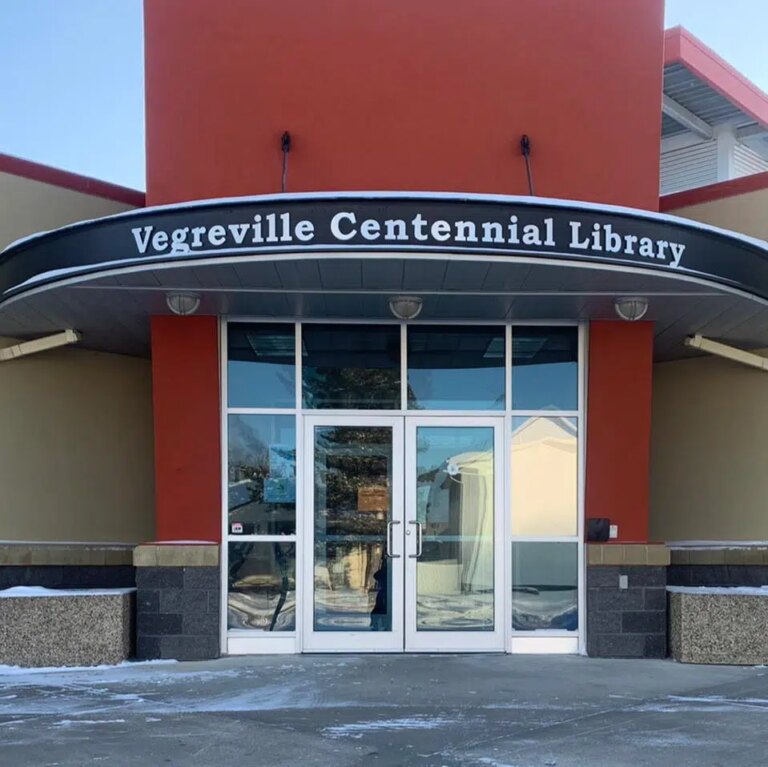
(390,225)
(344,226)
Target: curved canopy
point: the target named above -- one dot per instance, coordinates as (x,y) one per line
(342,255)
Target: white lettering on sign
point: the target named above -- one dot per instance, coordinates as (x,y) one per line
(278,230)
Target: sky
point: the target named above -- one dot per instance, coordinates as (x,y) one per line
(72,77)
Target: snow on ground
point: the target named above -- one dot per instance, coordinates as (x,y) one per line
(358,729)
(730,591)
(41,591)
(24,671)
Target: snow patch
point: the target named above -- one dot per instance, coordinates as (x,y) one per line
(711,704)
(717,545)
(41,591)
(491,762)
(23,670)
(719,699)
(358,729)
(74,722)
(754,591)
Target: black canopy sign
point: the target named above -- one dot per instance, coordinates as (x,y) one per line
(402,223)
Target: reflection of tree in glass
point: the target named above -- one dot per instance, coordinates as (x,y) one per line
(248,453)
(348,460)
(255,455)
(352,388)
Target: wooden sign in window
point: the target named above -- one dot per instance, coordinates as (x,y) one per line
(373,498)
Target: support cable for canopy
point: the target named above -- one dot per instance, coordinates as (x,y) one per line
(525,150)
(285,145)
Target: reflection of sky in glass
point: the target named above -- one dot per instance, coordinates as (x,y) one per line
(545,387)
(438,445)
(545,368)
(260,370)
(454,368)
(451,389)
(253,384)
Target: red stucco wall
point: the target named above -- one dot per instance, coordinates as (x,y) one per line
(398,95)
(404,95)
(619,425)
(185,386)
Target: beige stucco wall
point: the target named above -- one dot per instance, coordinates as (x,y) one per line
(31,206)
(76,447)
(745,213)
(709,452)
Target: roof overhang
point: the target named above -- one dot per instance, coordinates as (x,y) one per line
(702,91)
(34,171)
(312,256)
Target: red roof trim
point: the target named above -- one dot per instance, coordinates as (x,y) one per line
(680,46)
(718,191)
(34,171)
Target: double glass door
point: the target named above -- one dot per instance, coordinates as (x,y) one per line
(404,534)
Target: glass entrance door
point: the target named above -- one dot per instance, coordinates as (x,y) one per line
(454,566)
(354,503)
(404,531)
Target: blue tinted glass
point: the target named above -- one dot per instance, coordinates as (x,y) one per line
(545,368)
(261,365)
(351,366)
(453,368)
(262,475)
(545,586)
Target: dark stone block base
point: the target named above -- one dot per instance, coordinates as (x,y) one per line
(718,575)
(631,622)
(177,613)
(68,576)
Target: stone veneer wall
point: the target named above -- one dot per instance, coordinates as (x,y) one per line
(630,622)
(178,601)
(721,566)
(67,565)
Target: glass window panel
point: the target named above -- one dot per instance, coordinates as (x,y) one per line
(351,366)
(544,472)
(455,505)
(454,368)
(262,474)
(545,586)
(262,586)
(545,368)
(353,504)
(261,365)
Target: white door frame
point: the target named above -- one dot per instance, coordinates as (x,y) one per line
(237,641)
(455,641)
(353,641)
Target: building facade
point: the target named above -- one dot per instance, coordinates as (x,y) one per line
(404,350)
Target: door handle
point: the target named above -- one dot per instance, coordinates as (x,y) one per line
(419,531)
(390,555)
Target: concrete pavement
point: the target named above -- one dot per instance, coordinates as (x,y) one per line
(492,710)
